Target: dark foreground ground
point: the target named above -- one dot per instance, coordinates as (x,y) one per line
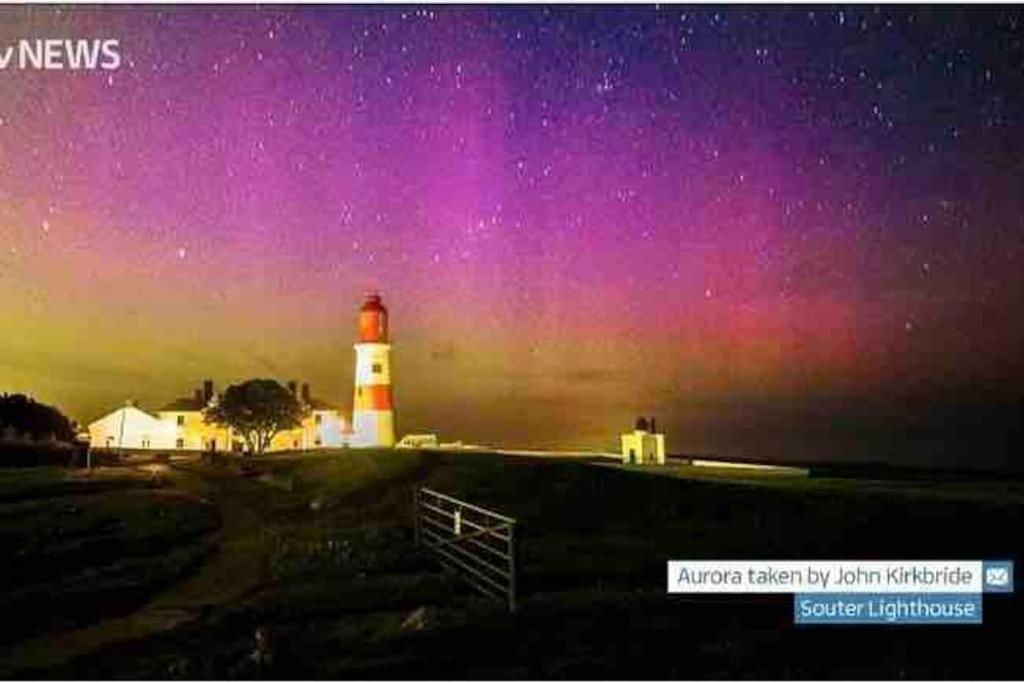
(170,575)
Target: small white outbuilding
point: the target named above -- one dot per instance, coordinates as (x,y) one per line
(644,445)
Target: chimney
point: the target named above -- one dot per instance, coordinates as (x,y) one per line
(207,390)
(654,428)
(291,389)
(305,393)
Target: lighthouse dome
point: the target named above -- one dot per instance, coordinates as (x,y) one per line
(373,303)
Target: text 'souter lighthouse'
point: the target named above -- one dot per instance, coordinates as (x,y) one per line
(373,418)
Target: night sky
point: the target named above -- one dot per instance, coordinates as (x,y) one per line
(785,232)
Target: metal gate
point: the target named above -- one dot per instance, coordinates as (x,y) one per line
(475,543)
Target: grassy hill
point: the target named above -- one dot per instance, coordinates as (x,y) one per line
(340,576)
(80,547)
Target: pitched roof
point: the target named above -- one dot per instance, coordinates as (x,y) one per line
(126,407)
(184,405)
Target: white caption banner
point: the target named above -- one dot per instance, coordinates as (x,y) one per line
(826,576)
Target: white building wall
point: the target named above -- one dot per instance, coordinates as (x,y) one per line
(190,432)
(331,427)
(643,448)
(659,448)
(630,448)
(368,355)
(129,427)
(373,428)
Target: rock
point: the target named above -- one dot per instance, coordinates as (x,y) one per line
(178,668)
(263,654)
(416,621)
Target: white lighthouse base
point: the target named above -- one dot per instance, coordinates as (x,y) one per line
(373,429)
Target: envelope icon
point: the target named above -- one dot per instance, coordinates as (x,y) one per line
(997,576)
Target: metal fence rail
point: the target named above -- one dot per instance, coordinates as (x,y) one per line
(473,542)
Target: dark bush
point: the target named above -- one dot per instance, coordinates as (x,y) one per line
(51,454)
(105,458)
(23,416)
(212,458)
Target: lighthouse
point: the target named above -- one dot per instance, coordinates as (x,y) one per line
(373,419)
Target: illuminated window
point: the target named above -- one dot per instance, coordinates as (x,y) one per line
(181,420)
(376,368)
(180,443)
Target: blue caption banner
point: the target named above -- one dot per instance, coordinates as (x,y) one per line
(887,608)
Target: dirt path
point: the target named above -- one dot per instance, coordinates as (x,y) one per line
(232,570)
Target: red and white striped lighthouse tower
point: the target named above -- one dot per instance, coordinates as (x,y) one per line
(373,419)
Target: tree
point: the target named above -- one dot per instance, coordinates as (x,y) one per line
(35,420)
(257,410)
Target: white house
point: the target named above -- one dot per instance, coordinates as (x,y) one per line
(180,425)
(644,445)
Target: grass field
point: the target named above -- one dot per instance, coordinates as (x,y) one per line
(595,540)
(80,548)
